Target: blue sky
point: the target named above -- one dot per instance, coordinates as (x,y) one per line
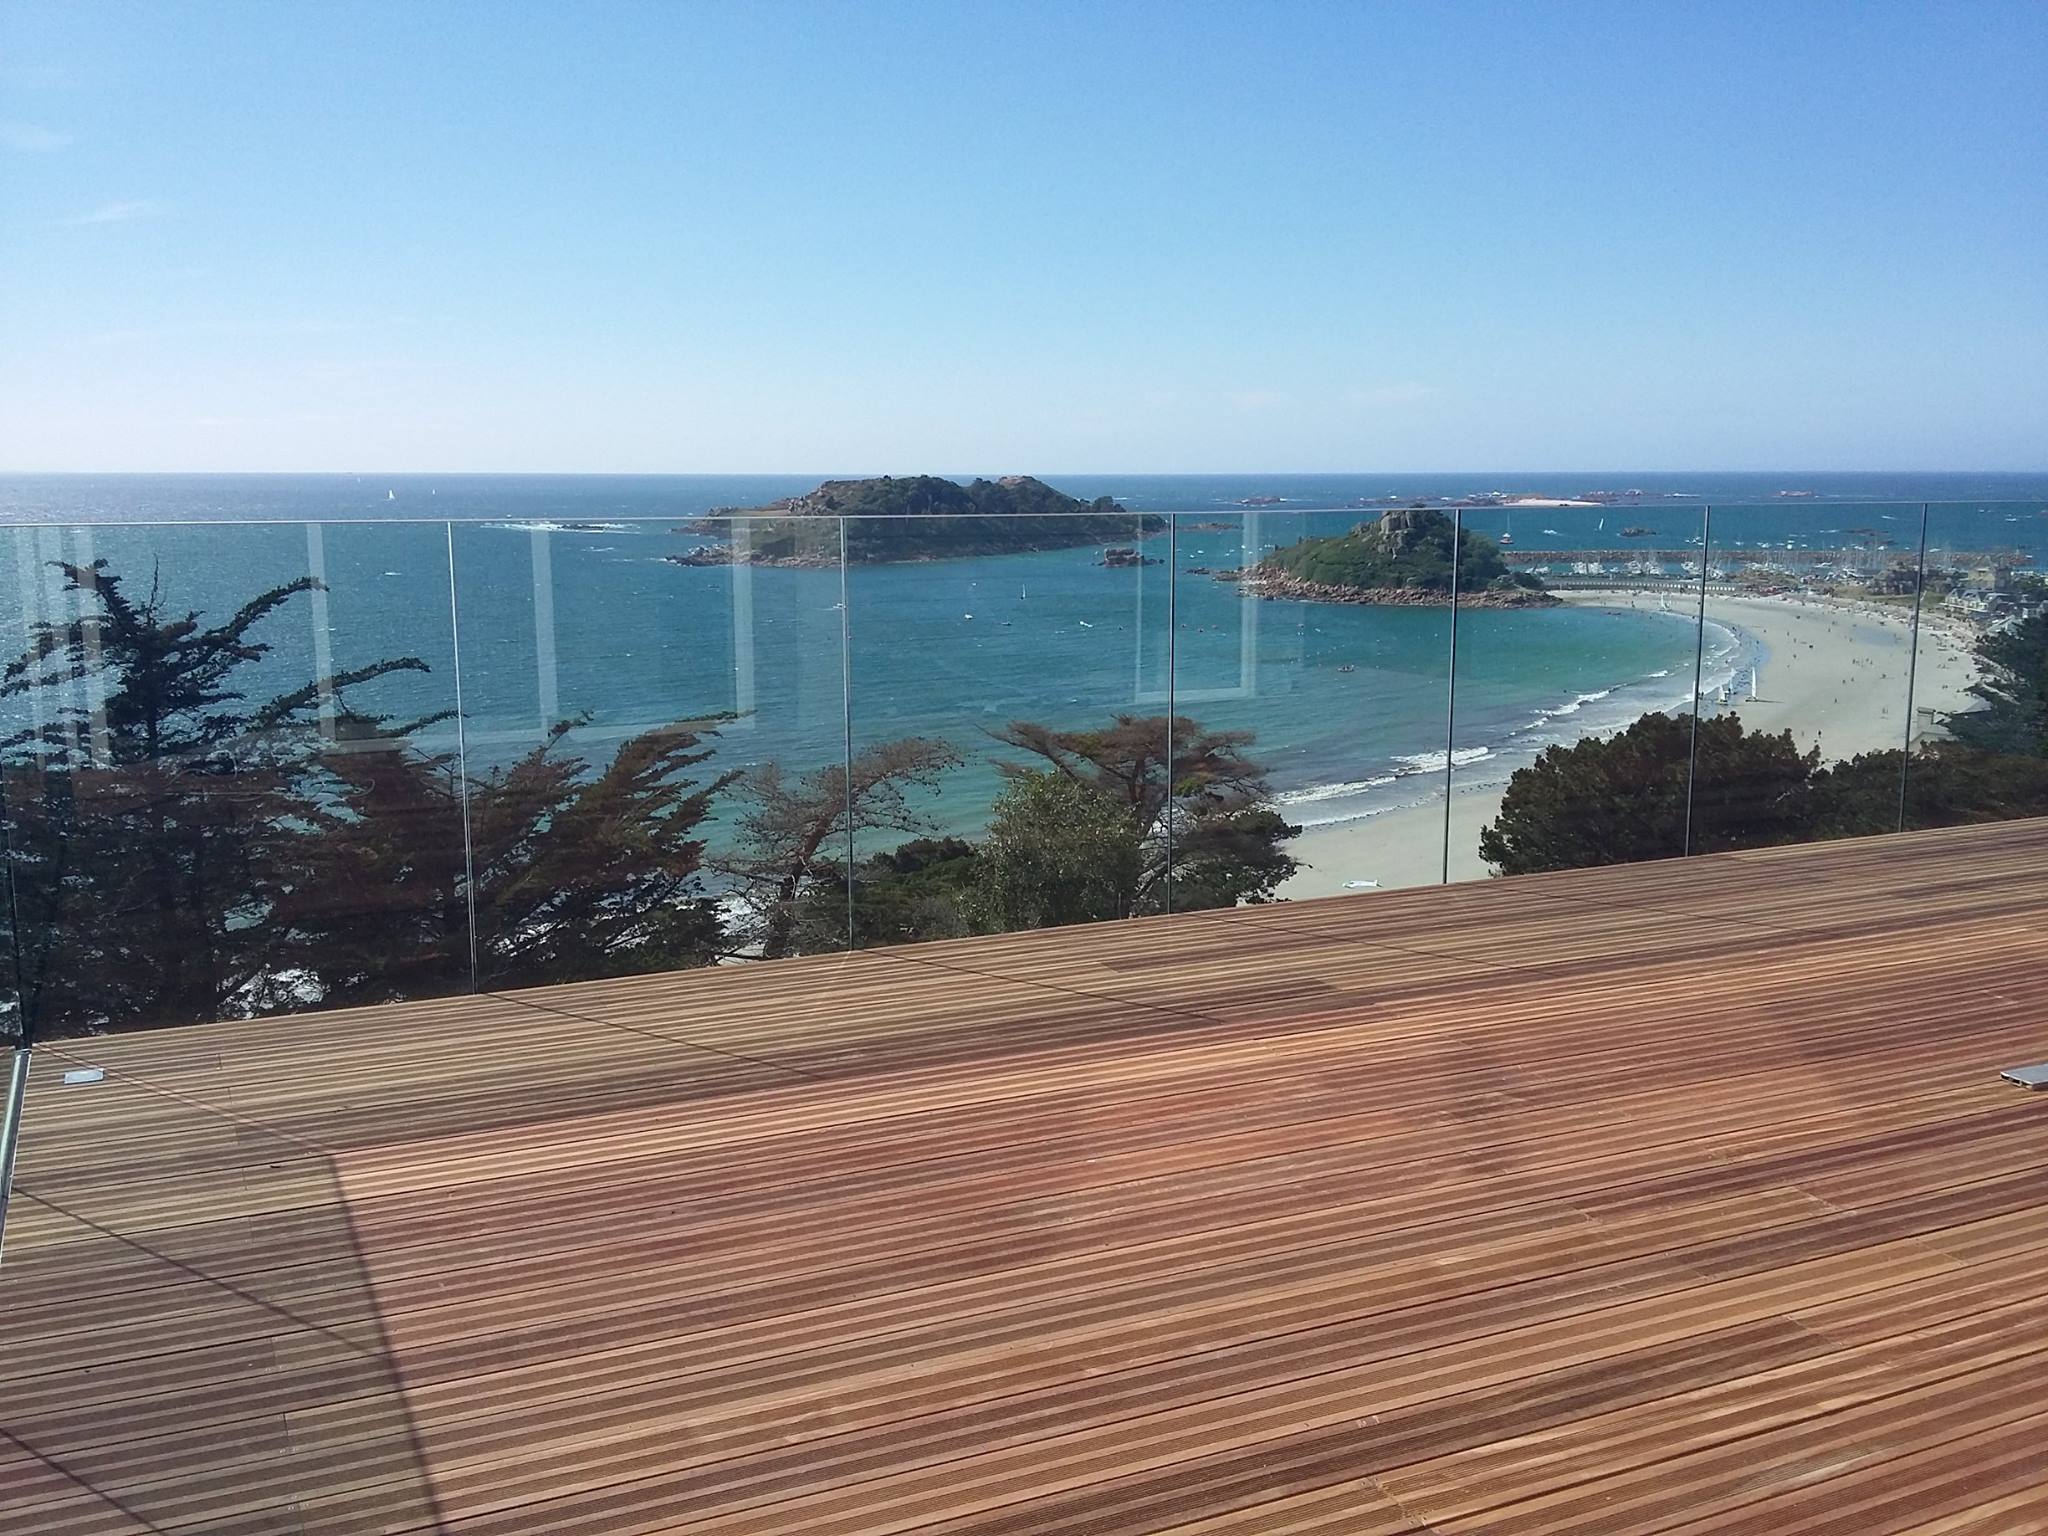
(1034,236)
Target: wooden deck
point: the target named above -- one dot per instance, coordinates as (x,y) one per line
(1681,1197)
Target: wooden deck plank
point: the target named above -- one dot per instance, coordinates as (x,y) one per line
(1515,1201)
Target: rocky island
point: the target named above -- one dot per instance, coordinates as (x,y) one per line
(1404,557)
(1125,556)
(911,517)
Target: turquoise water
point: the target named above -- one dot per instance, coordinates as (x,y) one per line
(1347,703)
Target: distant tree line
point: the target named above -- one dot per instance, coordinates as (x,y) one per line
(179,850)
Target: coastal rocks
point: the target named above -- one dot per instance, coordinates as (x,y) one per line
(1125,557)
(727,554)
(1397,531)
(1262,582)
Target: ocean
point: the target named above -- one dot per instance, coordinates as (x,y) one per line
(568,610)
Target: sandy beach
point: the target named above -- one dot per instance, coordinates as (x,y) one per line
(1833,673)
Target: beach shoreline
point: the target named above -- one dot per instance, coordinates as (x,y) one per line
(1831,671)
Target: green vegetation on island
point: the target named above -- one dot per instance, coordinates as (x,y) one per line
(1411,555)
(913,517)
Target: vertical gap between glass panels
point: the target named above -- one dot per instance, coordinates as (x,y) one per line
(11,1111)
(1699,654)
(96,673)
(546,691)
(1913,665)
(15,977)
(323,640)
(9,892)
(1172,661)
(1451,686)
(846,719)
(462,760)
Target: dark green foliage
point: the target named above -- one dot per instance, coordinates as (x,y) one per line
(1622,798)
(1226,858)
(1058,851)
(1210,808)
(1406,549)
(580,871)
(180,852)
(920,890)
(594,871)
(376,908)
(794,836)
(157,814)
(927,517)
(1947,784)
(2014,690)
(1093,845)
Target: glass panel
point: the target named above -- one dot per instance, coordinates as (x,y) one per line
(1980,693)
(17,563)
(644,704)
(1323,635)
(226,757)
(1010,720)
(1578,635)
(1809,622)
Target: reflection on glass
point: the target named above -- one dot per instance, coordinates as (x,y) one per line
(643,705)
(1979,723)
(202,733)
(1577,647)
(1321,636)
(1011,719)
(1809,619)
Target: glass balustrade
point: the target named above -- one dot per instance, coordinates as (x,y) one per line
(1340,701)
(229,772)
(1578,644)
(1009,723)
(269,768)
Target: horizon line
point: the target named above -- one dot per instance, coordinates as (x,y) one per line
(1178,474)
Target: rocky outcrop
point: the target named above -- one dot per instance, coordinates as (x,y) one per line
(915,517)
(1263,582)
